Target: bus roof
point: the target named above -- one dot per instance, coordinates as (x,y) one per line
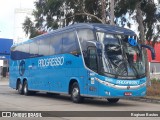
(98,26)
(95,26)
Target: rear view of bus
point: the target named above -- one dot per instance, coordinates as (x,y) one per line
(108,63)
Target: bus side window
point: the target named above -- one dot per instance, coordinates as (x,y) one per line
(20,52)
(15,53)
(33,48)
(85,35)
(25,51)
(44,46)
(69,42)
(56,44)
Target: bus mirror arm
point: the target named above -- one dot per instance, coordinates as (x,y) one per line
(151,49)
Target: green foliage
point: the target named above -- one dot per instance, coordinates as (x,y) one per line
(155,80)
(29,28)
(80,6)
(48,13)
(148,8)
(28,25)
(124,6)
(154,89)
(52,14)
(149,11)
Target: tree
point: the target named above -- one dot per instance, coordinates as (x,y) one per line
(29,28)
(88,10)
(145,15)
(52,14)
(48,13)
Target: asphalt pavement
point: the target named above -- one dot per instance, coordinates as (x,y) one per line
(4,81)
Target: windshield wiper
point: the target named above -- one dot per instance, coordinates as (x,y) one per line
(122,69)
(134,69)
(107,63)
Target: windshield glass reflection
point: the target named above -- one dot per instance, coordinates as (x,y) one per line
(119,57)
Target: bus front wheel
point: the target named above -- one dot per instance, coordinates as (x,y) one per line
(25,88)
(75,93)
(113,100)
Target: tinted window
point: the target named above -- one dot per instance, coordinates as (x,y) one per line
(20,52)
(56,44)
(24,51)
(44,45)
(14,53)
(69,42)
(84,36)
(33,49)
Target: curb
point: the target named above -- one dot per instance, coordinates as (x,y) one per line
(145,99)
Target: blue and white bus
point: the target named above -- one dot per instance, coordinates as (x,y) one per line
(82,60)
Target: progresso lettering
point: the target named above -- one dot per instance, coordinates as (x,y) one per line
(121,82)
(56,61)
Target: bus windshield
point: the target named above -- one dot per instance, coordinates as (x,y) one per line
(119,57)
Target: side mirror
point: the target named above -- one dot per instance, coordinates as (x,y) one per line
(151,49)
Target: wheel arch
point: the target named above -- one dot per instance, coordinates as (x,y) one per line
(21,81)
(18,80)
(24,79)
(73,80)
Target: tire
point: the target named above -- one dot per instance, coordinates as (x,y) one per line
(20,88)
(25,88)
(113,100)
(75,93)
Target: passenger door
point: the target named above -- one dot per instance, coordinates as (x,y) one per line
(93,65)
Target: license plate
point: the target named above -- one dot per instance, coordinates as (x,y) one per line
(128,94)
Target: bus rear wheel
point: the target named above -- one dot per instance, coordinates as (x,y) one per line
(20,88)
(113,100)
(25,88)
(75,93)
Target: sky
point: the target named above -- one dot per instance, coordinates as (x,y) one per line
(7,16)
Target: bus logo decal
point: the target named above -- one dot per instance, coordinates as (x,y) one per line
(121,82)
(55,61)
(22,68)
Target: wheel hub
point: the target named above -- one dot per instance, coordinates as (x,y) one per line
(75,92)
